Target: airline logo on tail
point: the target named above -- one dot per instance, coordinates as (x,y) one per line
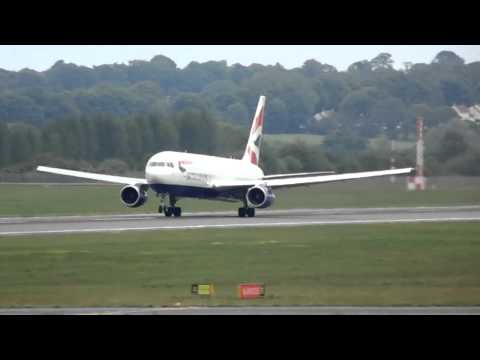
(252,152)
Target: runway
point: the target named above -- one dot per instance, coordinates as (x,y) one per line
(265,218)
(250,310)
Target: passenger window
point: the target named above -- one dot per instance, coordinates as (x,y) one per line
(161,164)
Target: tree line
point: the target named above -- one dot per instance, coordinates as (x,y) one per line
(370,98)
(105,143)
(113,117)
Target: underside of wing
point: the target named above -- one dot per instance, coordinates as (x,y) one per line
(93,176)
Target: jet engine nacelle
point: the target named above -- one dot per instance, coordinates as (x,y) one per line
(260,197)
(133,196)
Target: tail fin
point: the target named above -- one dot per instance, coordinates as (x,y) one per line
(252,151)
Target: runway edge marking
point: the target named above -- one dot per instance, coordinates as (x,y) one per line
(237,225)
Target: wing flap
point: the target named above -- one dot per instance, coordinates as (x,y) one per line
(92,176)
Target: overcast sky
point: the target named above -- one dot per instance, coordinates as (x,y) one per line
(42,57)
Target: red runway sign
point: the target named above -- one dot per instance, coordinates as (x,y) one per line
(251,291)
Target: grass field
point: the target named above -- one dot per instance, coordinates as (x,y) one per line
(282,139)
(408,264)
(39,200)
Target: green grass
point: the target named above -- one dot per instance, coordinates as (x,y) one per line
(408,264)
(399,145)
(282,139)
(39,200)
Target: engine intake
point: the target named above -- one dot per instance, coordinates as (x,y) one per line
(133,196)
(260,197)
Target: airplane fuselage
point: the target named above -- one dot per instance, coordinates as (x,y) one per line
(193,175)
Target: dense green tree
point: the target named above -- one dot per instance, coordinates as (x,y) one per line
(196,132)
(17,107)
(196,76)
(276,117)
(116,74)
(357,110)
(331,90)
(312,68)
(390,116)
(448,58)
(4,145)
(27,78)
(239,114)
(190,101)
(70,76)
(382,61)
(164,133)
(23,142)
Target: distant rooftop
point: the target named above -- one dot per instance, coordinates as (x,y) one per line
(471,113)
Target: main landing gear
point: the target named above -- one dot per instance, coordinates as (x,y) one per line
(246,211)
(170,210)
(173,210)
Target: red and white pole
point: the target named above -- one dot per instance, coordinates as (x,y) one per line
(419,176)
(418,182)
(392,160)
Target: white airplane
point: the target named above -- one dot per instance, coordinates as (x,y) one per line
(185,175)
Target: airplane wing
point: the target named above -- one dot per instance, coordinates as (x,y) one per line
(93,176)
(309,180)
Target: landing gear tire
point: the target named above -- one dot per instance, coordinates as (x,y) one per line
(177,211)
(173,210)
(160,209)
(242,212)
(250,212)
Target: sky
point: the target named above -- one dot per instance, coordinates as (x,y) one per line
(42,57)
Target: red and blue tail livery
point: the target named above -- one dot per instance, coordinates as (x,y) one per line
(252,151)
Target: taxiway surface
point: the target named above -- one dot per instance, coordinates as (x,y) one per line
(229,219)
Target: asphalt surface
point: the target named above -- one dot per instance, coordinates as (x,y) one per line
(260,310)
(264,218)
